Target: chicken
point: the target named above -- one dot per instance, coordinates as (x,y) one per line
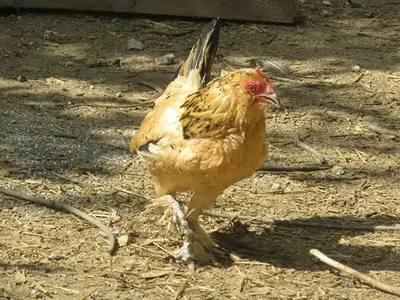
(203,137)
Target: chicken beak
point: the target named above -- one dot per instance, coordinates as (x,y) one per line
(272,98)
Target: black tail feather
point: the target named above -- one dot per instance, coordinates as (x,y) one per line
(201,57)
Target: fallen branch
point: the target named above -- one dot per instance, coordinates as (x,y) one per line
(285,169)
(291,223)
(382,130)
(360,276)
(304,146)
(62,206)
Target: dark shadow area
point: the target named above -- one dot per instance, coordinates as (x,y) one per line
(288,247)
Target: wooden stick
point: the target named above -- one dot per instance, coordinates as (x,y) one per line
(306,147)
(360,276)
(62,206)
(358,78)
(291,223)
(382,130)
(285,169)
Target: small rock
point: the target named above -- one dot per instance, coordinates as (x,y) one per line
(167,59)
(22,78)
(337,170)
(124,240)
(135,45)
(91,87)
(118,95)
(356,69)
(326,2)
(69,64)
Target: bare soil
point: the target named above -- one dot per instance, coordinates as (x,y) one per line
(72,95)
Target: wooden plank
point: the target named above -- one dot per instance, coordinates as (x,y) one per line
(277,11)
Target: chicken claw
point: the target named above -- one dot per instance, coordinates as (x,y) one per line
(198,246)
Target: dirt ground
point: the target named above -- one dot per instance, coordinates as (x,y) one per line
(72,95)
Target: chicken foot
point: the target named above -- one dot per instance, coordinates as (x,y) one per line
(198,246)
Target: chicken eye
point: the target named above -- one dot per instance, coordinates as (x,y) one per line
(252,88)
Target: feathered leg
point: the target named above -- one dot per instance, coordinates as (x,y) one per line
(198,247)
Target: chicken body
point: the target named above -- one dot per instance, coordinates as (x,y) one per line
(203,142)
(203,139)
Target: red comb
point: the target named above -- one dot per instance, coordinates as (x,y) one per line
(258,72)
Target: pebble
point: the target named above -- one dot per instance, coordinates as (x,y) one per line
(135,45)
(356,68)
(124,240)
(118,95)
(326,2)
(337,170)
(167,59)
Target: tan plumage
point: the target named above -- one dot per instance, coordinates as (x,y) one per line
(204,140)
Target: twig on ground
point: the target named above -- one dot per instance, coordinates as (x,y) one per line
(382,130)
(290,223)
(360,276)
(182,288)
(306,147)
(285,169)
(163,249)
(358,78)
(136,104)
(62,206)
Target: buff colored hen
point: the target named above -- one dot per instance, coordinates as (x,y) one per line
(203,137)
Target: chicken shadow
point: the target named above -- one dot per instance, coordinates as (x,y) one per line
(288,247)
